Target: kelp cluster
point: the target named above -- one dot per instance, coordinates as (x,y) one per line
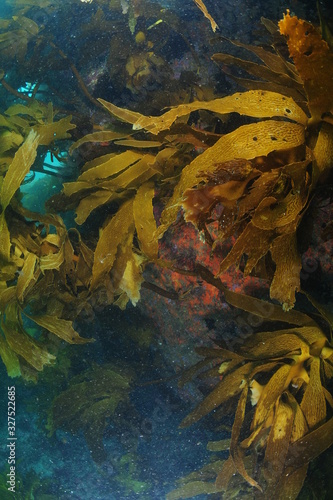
(252,184)
(276,385)
(49,275)
(36,253)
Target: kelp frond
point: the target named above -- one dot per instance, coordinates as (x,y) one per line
(313,59)
(36,254)
(282,375)
(273,73)
(258,186)
(259,176)
(205,12)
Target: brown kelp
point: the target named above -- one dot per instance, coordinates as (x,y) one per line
(252,183)
(292,420)
(255,181)
(37,258)
(49,275)
(283,417)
